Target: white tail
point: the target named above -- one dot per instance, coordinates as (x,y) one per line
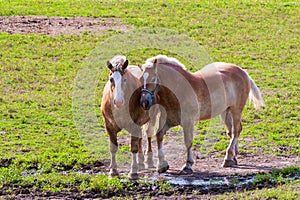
(255,96)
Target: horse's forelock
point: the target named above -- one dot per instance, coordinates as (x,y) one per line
(147,65)
(117,62)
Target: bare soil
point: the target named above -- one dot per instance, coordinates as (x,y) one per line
(59,25)
(209,164)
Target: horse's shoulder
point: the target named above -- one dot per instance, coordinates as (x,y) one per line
(106,93)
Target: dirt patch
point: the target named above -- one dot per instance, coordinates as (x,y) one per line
(209,164)
(59,25)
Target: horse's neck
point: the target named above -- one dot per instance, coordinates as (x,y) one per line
(177,71)
(133,84)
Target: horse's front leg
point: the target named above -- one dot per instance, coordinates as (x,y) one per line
(188,141)
(141,165)
(113,146)
(134,148)
(162,165)
(149,154)
(150,128)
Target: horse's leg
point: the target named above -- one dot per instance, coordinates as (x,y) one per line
(236,144)
(141,165)
(232,150)
(226,118)
(113,147)
(134,148)
(188,140)
(162,165)
(150,133)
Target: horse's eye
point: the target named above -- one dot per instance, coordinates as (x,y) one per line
(153,79)
(124,79)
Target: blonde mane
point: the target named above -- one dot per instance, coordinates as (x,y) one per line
(163,59)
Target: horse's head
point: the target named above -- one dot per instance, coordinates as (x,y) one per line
(151,85)
(117,77)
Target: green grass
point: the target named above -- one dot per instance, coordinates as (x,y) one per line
(37,72)
(284,191)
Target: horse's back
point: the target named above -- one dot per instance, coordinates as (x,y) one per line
(234,74)
(228,72)
(226,85)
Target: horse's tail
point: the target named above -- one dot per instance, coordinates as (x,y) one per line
(255,95)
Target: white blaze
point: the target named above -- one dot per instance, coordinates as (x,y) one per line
(146,75)
(118,93)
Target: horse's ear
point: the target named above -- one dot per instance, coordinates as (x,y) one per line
(125,65)
(140,66)
(109,65)
(155,65)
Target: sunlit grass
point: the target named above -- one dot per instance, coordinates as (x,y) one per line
(37,130)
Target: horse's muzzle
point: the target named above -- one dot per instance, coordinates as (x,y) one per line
(146,101)
(118,103)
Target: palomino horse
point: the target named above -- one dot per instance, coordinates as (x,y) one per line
(217,89)
(121,109)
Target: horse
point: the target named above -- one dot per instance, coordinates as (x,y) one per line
(121,109)
(217,89)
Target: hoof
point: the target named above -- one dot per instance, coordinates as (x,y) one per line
(114,172)
(229,163)
(186,170)
(163,169)
(133,176)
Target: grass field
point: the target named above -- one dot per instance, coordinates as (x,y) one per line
(37,73)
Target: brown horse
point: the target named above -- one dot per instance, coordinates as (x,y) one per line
(121,109)
(218,89)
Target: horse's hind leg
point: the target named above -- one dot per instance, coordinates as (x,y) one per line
(230,158)
(226,118)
